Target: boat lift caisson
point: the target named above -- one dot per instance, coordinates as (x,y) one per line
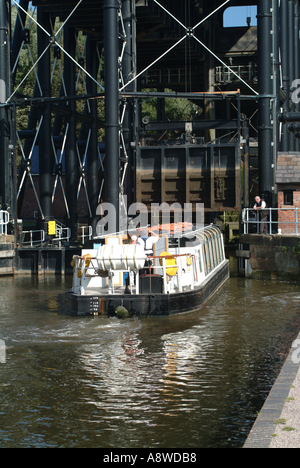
(116,277)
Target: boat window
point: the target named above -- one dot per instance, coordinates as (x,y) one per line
(200,261)
(218,244)
(211,251)
(214,252)
(209,258)
(217,240)
(221,250)
(211,254)
(212,248)
(204,257)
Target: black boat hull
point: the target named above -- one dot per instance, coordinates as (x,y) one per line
(149,304)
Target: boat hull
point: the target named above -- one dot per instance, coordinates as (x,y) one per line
(149,304)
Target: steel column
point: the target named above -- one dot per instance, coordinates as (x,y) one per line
(265,130)
(284,49)
(92,64)
(128,69)
(292,77)
(46,156)
(72,166)
(296,58)
(5,85)
(276,84)
(112,142)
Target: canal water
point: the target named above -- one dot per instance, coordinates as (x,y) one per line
(190,381)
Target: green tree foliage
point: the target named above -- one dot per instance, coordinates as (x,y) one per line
(175,110)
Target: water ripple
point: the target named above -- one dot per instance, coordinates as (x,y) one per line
(195,380)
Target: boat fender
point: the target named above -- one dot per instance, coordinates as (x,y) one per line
(170,263)
(73,263)
(189,262)
(121,312)
(87,261)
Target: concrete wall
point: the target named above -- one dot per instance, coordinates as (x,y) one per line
(271,257)
(7,255)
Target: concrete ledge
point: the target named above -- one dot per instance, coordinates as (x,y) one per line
(243,253)
(264,426)
(7,271)
(7,254)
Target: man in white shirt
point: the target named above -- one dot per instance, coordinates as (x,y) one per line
(147,242)
(261,206)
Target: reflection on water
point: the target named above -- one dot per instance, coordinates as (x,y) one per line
(195,380)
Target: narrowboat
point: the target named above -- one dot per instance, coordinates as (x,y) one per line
(119,278)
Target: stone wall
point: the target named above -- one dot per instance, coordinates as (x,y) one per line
(272,257)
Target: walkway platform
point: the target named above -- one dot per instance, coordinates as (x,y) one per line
(278,424)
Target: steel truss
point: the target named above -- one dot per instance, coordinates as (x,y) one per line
(83,165)
(53,120)
(60,145)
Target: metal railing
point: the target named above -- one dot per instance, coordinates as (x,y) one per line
(4,220)
(247,72)
(62,234)
(32,238)
(83,235)
(278,219)
(83,269)
(35,238)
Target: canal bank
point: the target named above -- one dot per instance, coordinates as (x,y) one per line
(269,257)
(278,423)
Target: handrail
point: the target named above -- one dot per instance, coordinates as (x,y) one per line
(37,237)
(271,222)
(31,235)
(4,220)
(80,266)
(60,233)
(83,235)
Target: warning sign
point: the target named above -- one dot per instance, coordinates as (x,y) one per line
(51,228)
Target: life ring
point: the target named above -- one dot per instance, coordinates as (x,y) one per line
(87,261)
(171,266)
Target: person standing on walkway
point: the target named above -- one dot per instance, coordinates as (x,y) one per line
(260,205)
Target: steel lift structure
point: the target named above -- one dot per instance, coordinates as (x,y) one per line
(127,53)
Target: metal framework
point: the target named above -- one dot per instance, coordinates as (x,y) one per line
(107,50)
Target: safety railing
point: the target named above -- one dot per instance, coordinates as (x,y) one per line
(279,220)
(247,72)
(63,234)
(4,220)
(85,232)
(33,238)
(37,237)
(172,275)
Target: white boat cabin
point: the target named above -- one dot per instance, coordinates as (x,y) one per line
(178,264)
